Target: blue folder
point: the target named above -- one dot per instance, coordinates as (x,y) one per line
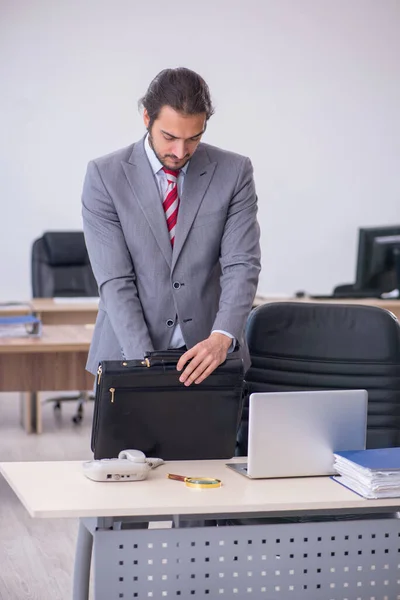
(19,320)
(21,325)
(380,459)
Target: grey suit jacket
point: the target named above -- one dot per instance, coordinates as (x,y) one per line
(208,281)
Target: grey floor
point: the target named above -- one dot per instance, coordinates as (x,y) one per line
(36,555)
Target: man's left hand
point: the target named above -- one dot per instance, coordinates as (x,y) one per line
(204,358)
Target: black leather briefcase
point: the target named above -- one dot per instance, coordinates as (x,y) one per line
(141,404)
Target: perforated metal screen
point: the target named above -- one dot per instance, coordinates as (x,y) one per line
(340,560)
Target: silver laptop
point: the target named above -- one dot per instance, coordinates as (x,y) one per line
(294,434)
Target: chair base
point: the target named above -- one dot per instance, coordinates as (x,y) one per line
(81,399)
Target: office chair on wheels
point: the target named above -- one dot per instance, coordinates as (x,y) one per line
(61,268)
(295,346)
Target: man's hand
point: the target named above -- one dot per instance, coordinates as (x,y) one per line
(205,357)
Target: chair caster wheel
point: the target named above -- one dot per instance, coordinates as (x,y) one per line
(77,419)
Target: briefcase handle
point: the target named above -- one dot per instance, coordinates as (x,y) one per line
(169,357)
(162,357)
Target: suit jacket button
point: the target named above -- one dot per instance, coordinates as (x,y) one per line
(169,323)
(176,285)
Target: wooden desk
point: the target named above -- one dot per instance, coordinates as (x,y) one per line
(54,362)
(69,313)
(267,558)
(391,305)
(52,312)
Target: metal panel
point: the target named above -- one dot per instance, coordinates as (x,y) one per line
(336,560)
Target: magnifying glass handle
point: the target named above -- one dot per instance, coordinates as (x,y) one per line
(177,477)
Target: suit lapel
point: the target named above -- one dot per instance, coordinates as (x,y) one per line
(144,188)
(197,180)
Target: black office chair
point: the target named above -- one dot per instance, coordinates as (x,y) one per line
(295,346)
(61,268)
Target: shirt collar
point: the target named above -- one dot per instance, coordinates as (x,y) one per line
(155,164)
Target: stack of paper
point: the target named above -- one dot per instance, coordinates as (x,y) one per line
(20,326)
(370,473)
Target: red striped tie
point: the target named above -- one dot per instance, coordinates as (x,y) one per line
(171,202)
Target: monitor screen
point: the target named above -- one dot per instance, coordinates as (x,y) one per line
(378,262)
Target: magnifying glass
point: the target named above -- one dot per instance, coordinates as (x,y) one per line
(204,483)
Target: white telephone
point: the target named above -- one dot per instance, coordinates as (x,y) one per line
(131,465)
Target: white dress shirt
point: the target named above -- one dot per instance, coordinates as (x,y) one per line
(161,179)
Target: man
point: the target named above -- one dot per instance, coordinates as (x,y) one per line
(171,230)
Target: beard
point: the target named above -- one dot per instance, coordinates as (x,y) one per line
(163,159)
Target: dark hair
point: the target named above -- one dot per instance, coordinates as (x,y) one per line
(181,89)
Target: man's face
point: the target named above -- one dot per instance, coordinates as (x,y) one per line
(174,136)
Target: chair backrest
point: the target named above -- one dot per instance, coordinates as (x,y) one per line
(310,346)
(61,266)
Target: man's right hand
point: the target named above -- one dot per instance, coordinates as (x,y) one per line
(204,358)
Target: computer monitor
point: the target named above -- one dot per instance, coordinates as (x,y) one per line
(378,262)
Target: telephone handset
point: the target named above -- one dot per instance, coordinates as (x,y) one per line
(131,465)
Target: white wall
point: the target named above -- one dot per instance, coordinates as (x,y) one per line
(309,89)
